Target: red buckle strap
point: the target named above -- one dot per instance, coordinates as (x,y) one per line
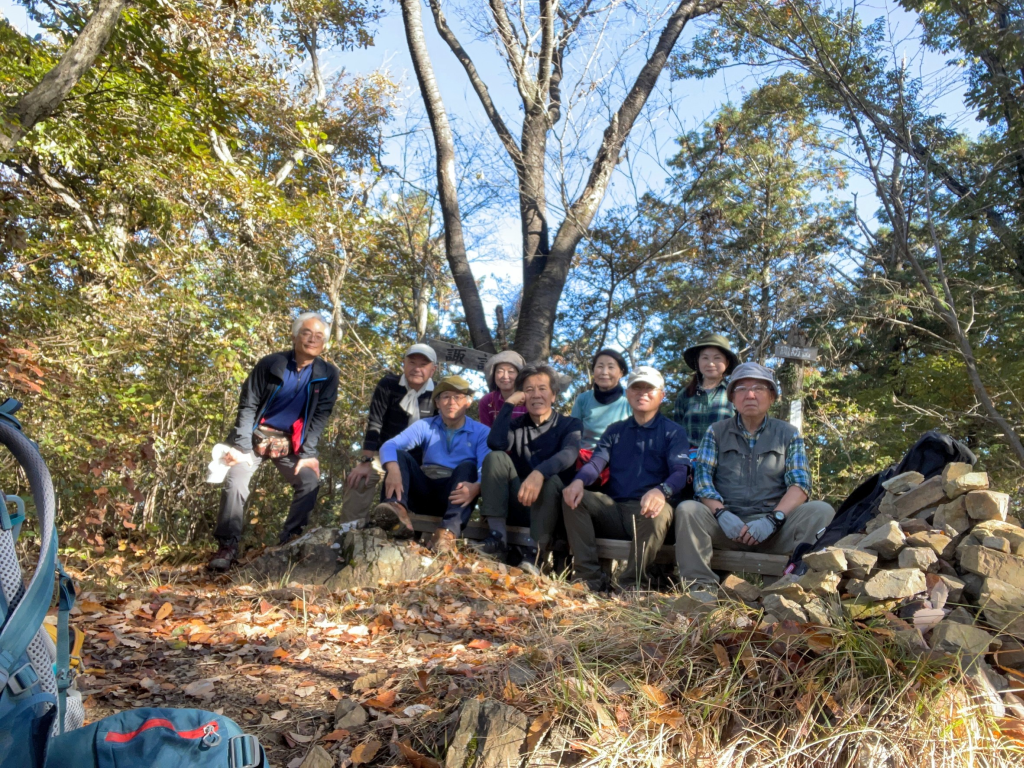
(158,722)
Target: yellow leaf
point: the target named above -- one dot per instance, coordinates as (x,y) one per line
(656,695)
(165,610)
(365,752)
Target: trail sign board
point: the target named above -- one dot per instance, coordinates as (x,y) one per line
(796,415)
(456,355)
(787,352)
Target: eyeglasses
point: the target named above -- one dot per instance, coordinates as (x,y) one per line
(757,389)
(305,333)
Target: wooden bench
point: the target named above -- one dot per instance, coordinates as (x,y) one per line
(616,549)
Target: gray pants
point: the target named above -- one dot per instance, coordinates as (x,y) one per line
(305,482)
(600,516)
(499,490)
(698,533)
(357,502)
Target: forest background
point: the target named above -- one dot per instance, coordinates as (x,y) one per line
(853,172)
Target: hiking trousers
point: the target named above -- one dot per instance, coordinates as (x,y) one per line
(230,520)
(425,490)
(600,516)
(499,492)
(698,533)
(356,502)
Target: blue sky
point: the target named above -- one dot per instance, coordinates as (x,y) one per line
(676,106)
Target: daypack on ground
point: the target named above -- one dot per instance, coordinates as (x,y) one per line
(41,713)
(929,455)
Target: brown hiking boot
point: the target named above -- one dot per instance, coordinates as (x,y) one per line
(223,559)
(391,518)
(440,541)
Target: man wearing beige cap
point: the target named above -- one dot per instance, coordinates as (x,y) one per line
(445,481)
(751,484)
(397,403)
(648,458)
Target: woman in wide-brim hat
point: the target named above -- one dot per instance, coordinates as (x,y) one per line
(705,399)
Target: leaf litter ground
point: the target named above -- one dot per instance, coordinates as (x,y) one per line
(376,676)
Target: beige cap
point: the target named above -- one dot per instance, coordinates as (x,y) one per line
(422,349)
(647,374)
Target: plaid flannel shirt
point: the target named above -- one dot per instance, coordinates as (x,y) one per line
(706,462)
(700,410)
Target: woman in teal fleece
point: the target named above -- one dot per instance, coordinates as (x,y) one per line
(605,404)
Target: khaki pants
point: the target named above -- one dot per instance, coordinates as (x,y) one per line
(600,516)
(698,533)
(357,502)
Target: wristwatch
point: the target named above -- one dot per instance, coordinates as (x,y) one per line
(365,459)
(665,490)
(778,518)
(720,511)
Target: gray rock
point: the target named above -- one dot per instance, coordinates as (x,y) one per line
(740,589)
(953,514)
(927,494)
(922,558)
(903,482)
(998,543)
(991,564)
(897,583)
(941,544)
(318,757)
(988,505)
(784,608)
(522,674)
(820,582)
(829,559)
(972,481)
(370,680)
(850,541)
(349,714)
(489,734)
(368,557)
(1003,606)
(886,540)
(954,637)
(309,559)
(961,616)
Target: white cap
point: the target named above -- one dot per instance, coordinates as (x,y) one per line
(647,374)
(422,349)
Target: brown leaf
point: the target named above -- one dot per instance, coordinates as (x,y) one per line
(336,694)
(722,655)
(821,642)
(262,698)
(383,700)
(415,759)
(337,735)
(538,728)
(281,714)
(421,680)
(747,657)
(671,718)
(655,694)
(365,752)
(480,645)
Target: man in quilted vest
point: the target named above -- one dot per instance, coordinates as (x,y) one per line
(751,484)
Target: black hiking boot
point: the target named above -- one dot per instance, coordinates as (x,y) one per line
(493,545)
(391,519)
(224,558)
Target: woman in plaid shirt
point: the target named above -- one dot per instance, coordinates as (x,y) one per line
(704,401)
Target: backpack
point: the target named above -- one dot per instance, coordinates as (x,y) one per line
(41,713)
(932,451)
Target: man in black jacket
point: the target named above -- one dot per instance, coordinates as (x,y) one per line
(398,402)
(283,407)
(532,458)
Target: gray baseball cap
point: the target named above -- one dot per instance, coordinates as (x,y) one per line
(751,371)
(422,349)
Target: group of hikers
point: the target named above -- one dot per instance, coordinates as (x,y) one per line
(727,475)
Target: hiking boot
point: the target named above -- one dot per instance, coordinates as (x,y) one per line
(223,559)
(440,541)
(391,518)
(493,545)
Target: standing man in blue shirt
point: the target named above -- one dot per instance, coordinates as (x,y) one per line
(453,449)
(283,407)
(648,458)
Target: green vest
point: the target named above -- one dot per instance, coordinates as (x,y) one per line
(752,481)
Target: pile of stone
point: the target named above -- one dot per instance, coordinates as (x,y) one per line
(943,558)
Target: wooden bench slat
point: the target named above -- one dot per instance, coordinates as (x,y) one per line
(617,549)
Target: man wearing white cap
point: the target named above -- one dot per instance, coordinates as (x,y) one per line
(397,403)
(648,458)
(751,484)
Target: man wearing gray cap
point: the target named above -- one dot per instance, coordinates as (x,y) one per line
(397,403)
(751,484)
(648,458)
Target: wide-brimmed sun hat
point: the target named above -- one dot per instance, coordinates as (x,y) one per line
(692,354)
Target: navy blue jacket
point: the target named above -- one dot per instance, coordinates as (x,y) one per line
(260,387)
(640,458)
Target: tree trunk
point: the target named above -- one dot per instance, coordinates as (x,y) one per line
(39,103)
(444,146)
(542,293)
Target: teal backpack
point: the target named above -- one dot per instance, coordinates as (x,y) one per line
(41,714)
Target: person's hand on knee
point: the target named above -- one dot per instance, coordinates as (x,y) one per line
(313,464)
(529,491)
(573,493)
(731,525)
(464,493)
(761,530)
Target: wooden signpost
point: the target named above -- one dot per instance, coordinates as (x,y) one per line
(453,354)
(796,352)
